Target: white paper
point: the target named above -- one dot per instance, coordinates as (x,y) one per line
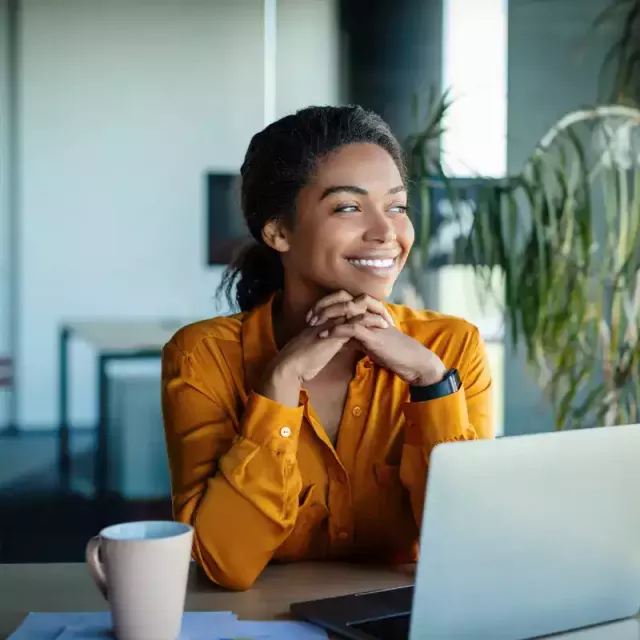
(195,626)
(286,631)
(250,630)
(97,625)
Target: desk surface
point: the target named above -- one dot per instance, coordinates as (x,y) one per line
(124,336)
(67,587)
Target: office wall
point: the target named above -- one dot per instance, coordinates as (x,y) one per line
(125,104)
(5,226)
(553,69)
(308,54)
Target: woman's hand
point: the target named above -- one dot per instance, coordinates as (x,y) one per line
(306,355)
(342,304)
(386,346)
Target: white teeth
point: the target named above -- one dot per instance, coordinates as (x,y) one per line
(381,264)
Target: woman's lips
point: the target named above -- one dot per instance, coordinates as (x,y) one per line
(381,267)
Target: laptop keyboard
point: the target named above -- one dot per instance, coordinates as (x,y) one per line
(392,628)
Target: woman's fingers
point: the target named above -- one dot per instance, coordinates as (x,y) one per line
(365,321)
(342,304)
(329,324)
(327,301)
(371,304)
(347,309)
(353,331)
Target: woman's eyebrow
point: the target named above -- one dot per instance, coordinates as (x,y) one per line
(358,190)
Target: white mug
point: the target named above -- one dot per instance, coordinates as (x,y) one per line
(142,569)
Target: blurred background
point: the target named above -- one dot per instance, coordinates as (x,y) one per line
(123,124)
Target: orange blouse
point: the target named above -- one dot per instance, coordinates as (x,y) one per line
(260,481)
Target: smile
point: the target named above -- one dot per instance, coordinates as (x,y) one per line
(385,263)
(377,267)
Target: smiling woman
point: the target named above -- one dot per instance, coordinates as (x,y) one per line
(350,229)
(319,187)
(301,428)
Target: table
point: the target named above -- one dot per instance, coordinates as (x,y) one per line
(112,340)
(67,587)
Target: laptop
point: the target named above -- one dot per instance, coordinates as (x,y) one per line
(521,537)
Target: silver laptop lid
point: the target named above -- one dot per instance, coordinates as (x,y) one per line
(530,535)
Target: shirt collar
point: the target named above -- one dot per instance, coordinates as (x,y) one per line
(258,343)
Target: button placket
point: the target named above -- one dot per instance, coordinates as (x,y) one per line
(342,524)
(340,505)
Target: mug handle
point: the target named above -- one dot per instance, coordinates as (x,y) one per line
(96,568)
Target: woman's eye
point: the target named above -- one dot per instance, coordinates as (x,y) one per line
(346,208)
(398,208)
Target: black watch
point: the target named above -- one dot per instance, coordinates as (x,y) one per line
(448,385)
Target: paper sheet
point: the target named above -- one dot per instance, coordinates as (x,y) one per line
(243,630)
(97,625)
(195,626)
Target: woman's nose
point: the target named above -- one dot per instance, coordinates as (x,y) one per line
(380,227)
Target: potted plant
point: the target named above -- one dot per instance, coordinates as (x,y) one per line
(565,236)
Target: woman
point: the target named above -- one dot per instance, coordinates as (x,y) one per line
(301,428)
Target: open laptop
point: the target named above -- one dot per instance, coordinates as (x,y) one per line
(521,537)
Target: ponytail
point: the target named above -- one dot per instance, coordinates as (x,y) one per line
(253,276)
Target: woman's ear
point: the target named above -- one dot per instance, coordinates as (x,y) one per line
(275,236)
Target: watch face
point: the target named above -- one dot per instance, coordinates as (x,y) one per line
(453,377)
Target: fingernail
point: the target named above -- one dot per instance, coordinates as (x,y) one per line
(385,324)
(324,334)
(313,321)
(308,316)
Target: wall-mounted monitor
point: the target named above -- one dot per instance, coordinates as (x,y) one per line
(226,230)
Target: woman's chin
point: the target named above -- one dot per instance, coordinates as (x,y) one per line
(379,291)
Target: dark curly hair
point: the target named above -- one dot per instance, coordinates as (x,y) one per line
(280,161)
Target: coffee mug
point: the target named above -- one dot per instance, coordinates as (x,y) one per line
(142,569)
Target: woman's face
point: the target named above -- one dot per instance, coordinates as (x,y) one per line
(351,229)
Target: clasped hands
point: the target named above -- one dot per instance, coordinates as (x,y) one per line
(340,318)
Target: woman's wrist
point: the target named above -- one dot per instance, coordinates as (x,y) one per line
(432,374)
(282,384)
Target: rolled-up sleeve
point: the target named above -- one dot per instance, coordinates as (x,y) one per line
(236,483)
(464,415)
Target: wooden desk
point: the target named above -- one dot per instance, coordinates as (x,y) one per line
(68,587)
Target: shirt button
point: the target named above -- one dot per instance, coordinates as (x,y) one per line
(357,411)
(285,432)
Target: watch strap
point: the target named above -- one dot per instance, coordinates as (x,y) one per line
(448,385)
